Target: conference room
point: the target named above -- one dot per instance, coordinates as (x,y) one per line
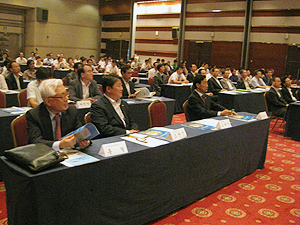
(176,181)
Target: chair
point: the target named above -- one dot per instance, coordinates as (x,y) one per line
(64,80)
(270,114)
(297,95)
(19,131)
(100,88)
(87,118)
(22,98)
(150,82)
(186,112)
(135,74)
(2,100)
(157,114)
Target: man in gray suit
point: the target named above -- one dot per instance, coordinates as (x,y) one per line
(84,88)
(159,79)
(226,82)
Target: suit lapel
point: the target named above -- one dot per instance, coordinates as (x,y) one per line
(46,121)
(111,109)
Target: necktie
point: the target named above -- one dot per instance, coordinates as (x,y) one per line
(203,98)
(57,130)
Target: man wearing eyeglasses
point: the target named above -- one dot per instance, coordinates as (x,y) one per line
(53,118)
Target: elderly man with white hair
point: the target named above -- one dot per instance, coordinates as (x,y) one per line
(53,118)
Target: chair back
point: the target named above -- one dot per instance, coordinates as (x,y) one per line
(19,131)
(2,100)
(87,118)
(22,98)
(135,73)
(64,80)
(150,82)
(157,114)
(266,103)
(186,111)
(100,88)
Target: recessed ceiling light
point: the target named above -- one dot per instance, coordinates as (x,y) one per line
(217,10)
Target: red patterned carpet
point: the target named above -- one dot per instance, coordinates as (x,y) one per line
(269,196)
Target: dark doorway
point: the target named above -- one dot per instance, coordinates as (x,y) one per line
(293,61)
(117,49)
(198,52)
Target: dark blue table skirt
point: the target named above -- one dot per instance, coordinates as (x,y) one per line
(60,74)
(243,102)
(292,128)
(138,187)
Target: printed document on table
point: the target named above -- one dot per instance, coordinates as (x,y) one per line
(77,158)
(144,140)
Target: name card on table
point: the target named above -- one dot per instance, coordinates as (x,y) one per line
(112,149)
(83,104)
(176,135)
(222,124)
(262,116)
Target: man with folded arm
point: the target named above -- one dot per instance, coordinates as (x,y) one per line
(53,118)
(200,105)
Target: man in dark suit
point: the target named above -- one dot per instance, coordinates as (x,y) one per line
(192,73)
(276,103)
(243,82)
(200,105)
(286,91)
(110,114)
(84,88)
(14,80)
(128,85)
(268,77)
(214,84)
(53,118)
(159,79)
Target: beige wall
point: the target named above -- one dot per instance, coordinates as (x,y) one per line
(72,27)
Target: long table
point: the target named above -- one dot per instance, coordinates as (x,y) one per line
(252,102)
(179,92)
(11,98)
(139,110)
(292,128)
(140,186)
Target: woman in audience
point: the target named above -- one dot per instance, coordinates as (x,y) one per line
(70,63)
(38,62)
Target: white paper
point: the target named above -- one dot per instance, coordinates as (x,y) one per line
(144,140)
(209,122)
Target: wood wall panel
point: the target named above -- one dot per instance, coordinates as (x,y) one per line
(154,29)
(215,28)
(226,53)
(268,56)
(156,53)
(157,41)
(158,16)
(271,29)
(219,14)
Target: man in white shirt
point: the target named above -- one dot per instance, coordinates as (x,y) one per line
(286,91)
(48,60)
(134,64)
(21,59)
(29,74)
(3,85)
(145,66)
(33,92)
(257,82)
(178,77)
(153,72)
(76,59)
(112,68)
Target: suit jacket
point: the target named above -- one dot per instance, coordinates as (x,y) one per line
(240,84)
(158,80)
(190,77)
(39,124)
(107,121)
(199,110)
(213,86)
(12,83)
(125,92)
(277,104)
(268,81)
(225,85)
(75,89)
(286,95)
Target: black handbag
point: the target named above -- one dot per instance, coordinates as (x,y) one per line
(34,157)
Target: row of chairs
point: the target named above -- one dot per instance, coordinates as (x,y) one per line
(22,99)
(157,115)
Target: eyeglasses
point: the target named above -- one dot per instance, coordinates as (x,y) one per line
(62,95)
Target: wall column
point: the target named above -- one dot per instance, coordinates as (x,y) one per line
(247,31)
(181,37)
(133,17)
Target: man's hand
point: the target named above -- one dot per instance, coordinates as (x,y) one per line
(227,112)
(89,99)
(84,143)
(133,131)
(132,96)
(67,141)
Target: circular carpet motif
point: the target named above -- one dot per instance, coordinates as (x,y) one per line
(273,187)
(256,198)
(295,212)
(285,199)
(226,198)
(287,177)
(201,212)
(268,213)
(246,186)
(236,213)
(263,177)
